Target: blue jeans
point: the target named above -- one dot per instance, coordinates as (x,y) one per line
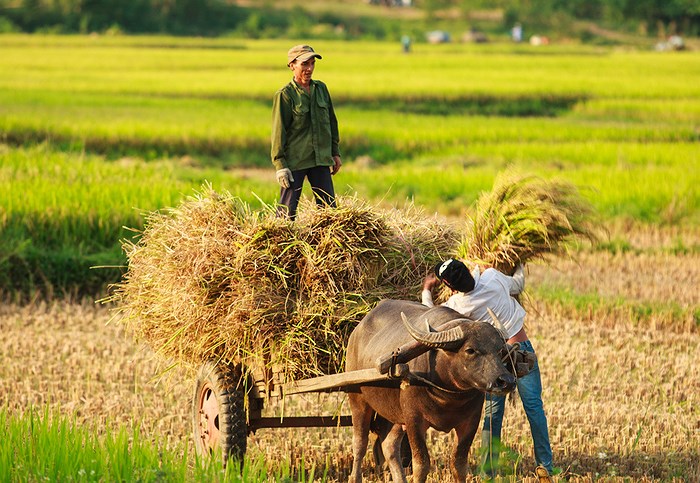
(530,390)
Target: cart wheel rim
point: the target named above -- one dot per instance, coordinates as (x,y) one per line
(208,409)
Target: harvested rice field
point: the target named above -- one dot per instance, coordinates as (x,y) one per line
(621,388)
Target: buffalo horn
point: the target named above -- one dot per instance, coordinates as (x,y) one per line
(445,339)
(495,321)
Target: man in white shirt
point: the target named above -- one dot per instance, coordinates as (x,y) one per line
(472,295)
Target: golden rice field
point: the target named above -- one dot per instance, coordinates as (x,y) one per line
(621,393)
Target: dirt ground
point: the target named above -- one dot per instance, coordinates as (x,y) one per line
(622,394)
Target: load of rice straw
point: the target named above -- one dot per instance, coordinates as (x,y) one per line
(525,218)
(213,279)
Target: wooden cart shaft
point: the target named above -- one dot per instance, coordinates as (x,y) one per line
(346,382)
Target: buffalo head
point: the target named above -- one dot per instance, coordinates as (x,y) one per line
(472,355)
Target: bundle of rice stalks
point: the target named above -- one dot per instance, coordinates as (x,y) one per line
(211,279)
(525,218)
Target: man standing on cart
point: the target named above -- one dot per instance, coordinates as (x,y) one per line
(304,134)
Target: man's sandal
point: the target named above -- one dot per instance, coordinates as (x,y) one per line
(543,475)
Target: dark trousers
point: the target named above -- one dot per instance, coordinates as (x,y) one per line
(321,186)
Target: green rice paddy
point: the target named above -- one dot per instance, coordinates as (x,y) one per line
(97,130)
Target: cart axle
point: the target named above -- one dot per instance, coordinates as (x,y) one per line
(301,422)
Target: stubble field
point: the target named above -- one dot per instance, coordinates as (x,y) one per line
(621,392)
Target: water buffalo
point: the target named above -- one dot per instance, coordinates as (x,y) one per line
(459,363)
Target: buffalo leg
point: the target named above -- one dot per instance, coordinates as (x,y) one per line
(361,419)
(421,458)
(391,446)
(465,437)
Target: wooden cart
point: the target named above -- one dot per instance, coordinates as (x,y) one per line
(228,401)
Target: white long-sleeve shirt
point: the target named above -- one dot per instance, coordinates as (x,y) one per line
(494,290)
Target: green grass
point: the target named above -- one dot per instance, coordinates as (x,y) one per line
(43,445)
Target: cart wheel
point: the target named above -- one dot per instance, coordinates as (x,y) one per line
(218,414)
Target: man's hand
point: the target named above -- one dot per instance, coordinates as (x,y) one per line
(284,177)
(337,163)
(519,270)
(430,281)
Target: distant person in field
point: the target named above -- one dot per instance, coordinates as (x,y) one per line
(304,134)
(472,295)
(517,33)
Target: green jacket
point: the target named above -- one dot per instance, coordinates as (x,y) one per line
(304,127)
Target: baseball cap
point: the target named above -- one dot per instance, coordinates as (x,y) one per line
(302,52)
(455,275)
